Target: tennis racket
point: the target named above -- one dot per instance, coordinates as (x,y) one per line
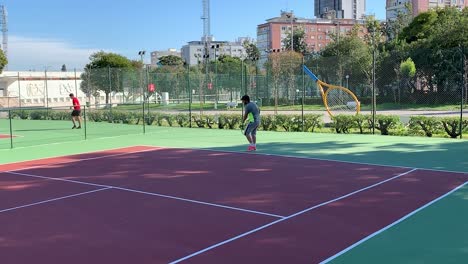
(337,99)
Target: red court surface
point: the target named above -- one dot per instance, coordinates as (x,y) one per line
(157,205)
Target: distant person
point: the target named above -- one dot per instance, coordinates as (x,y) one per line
(252,113)
(76,113)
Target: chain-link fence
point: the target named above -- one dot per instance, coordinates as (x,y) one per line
(390,88)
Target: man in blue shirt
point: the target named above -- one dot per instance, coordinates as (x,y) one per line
(252,113)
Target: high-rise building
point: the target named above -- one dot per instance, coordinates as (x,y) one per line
(347,9)
(318,32)
(395,6)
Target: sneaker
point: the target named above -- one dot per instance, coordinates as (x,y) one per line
(73,127)
(78,127)
(251,148)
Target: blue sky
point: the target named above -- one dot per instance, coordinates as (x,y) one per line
(49,33)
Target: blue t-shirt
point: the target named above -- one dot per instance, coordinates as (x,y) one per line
(251,109)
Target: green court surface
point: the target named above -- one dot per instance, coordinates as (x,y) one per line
(436,234)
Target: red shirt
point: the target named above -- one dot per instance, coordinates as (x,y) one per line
(76,103)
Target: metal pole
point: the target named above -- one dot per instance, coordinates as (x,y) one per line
(143,101)
(47,94)
(84,121)
(144,118)
(374,104)
(147,85)
(462,91)
(242,75)
(303,93)
(19,90)
(11,129)
(190,95)
(110,87)
(292,32)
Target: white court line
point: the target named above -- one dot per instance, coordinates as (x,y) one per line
(149,193)
(290,216)
(55,199)
(77,141)
(85,159)
(392,224)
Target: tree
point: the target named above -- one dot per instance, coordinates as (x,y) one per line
(299,41)
(407,72)
(103,73)
(403,19)
(253,54)
(171,60)
(434,39)
(64,68)
(284,67)
(3,61)
(350,56)
(408,68)
(230,74)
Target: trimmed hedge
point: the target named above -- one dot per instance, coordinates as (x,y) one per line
(386,124)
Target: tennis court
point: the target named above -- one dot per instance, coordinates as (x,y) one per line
(170,197)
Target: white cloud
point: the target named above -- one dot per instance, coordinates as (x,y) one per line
(37,54)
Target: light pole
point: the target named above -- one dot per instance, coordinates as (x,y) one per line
(142,53)
(291,17)
(255,84)
(339,61)
(347,79)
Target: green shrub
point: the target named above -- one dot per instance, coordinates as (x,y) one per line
(21,114)
(38,115)
(170,119)
(233,121)
(268,123)
(312,121)
(95,116)
(222,122)
(182,120)
(428,125)
(452,125)
(343,123)
(385,123)
(283,121)
(361,120)
(199,120)
(59,115)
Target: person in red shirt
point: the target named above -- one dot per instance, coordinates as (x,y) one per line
(76,113)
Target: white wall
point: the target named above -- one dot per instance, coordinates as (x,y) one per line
(31,89)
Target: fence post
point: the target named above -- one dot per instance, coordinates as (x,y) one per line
(189,89)
(374,97)
(46,94)
(19,90)
(462,49)
(144,118)
(110,91)
(84,121)
(11,129)
(303,92)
